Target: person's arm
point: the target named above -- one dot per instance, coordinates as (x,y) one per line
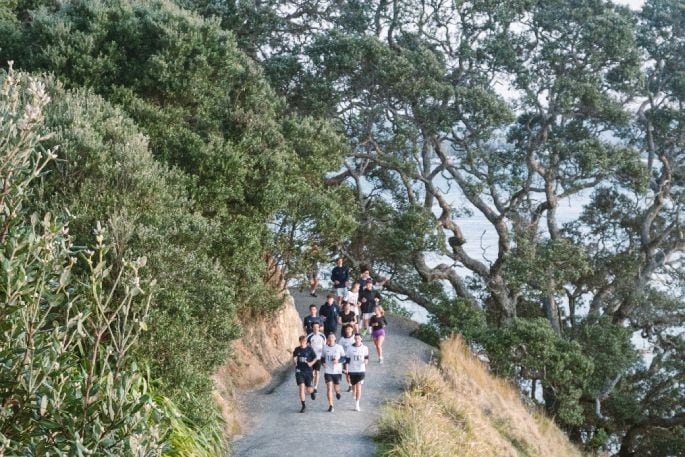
(295,358)
(321,314)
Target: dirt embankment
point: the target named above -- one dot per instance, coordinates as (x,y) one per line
(265,345)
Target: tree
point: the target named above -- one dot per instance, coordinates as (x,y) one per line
(514,108)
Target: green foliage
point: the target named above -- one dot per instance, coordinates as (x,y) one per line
(105,171)
(428,333)
(392,306)
(187,96)
(68,384)
(459,316)
(184,438)
(530,349)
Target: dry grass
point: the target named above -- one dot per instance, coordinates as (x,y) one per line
(462,410)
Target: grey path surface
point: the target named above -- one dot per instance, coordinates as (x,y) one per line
(276,427)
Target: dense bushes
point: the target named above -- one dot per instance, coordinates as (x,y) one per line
(68,383)
(171,137)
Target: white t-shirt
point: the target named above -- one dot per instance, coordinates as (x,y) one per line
(330,353)
(352,297)
(317,342)
(346,342)
(356,358)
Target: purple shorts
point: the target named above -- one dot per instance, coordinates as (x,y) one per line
(377,333)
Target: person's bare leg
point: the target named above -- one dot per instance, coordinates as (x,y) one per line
(329,395)
(379,346)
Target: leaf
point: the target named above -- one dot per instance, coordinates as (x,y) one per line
(43,405)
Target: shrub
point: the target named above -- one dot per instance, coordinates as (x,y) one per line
(67,381)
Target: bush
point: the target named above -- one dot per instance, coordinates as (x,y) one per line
(67,384)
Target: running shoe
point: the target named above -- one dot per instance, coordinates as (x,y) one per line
(313,395)
(313,294)
(330,409)
(337,395)
(380,360)
(303,408)
(357,408)
(349,388)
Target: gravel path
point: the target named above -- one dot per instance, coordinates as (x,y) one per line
(277,429)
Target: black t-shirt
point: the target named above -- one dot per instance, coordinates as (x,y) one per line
(348,318)
(368,300)
(377,323)
(340,274)
(304,355)
(330,312)
(309,321)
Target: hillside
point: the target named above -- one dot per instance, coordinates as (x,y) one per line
(459,409)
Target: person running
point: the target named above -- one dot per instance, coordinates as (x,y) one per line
(353,298)
(340,275)
(303,360)
(364,278)
(367,297)
(357,357)
(378,324)
(330,313)
(313,278)
(309,320)
(333,358)
(346,341)
(348,317)
(316,340)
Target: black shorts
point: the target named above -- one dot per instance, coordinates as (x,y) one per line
(304,377)
(357,378)
(334,378)
(317,366)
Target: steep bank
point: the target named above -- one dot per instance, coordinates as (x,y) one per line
(460,409)
(266,345)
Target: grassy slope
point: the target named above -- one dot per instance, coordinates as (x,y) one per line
(461,410)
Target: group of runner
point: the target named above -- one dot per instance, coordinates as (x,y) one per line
(357,311)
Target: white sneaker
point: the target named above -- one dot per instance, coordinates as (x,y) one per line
(380,360)
(356,407)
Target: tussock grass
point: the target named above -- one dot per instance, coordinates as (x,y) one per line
(459,409)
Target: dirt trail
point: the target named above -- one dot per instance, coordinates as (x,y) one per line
(277,429)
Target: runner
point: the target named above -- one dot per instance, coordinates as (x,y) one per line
(303,360)
(330,313)
(346,341)
(364,278)
(309,320)
(340,275)
(348,317)
(313,278)
(316,340)
(353,299)
(367,298)
(357,357)
(378,324)
(333,358)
